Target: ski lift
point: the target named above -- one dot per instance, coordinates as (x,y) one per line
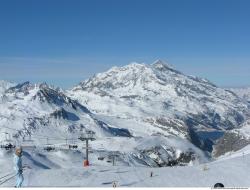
(102,154)
(73,146)
(112,157)
(87,135)
(7,144)
(101,158)
(28,144)
(49,147)
(63,147)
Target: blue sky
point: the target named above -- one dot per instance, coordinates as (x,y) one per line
(65,41)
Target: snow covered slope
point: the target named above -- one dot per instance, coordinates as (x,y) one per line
(4,85)
(157,99)
(244,93)
(64,168)
(48,116)
(39,109)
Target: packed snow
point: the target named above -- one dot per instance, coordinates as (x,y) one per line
(64,169)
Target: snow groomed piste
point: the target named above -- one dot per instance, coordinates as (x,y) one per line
(61,168)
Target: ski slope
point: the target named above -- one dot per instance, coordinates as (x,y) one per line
(65,169)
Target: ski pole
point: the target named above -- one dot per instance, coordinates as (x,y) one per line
(6,175)
(2,182)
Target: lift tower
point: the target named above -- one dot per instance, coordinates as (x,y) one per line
(89,135)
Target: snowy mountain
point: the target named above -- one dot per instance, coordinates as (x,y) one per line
(157,99)
(243,93)
(27,107)
(48,116)
(4,85)
(30,107)
(148,115)
(140,115)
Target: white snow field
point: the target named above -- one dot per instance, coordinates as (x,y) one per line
(244,93)
(61,169)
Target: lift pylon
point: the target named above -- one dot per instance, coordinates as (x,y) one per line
(89,135)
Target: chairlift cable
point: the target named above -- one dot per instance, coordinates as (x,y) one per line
(43,136)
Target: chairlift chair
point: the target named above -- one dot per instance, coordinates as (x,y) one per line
(7,144)
(101,158)
(49,147)
(73,146)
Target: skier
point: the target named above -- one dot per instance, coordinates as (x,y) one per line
(151,174)
(18,167)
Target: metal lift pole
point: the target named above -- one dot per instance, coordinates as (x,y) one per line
(86,137)
(113,156)
(87,150)
(6,136)
(113,160)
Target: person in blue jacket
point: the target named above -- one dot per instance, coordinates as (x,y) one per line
(18,167)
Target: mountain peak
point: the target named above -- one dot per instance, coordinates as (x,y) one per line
(4,85)
(160,64)
(132,65)
(22,87)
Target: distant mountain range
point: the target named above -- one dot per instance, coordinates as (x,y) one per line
(164,116)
